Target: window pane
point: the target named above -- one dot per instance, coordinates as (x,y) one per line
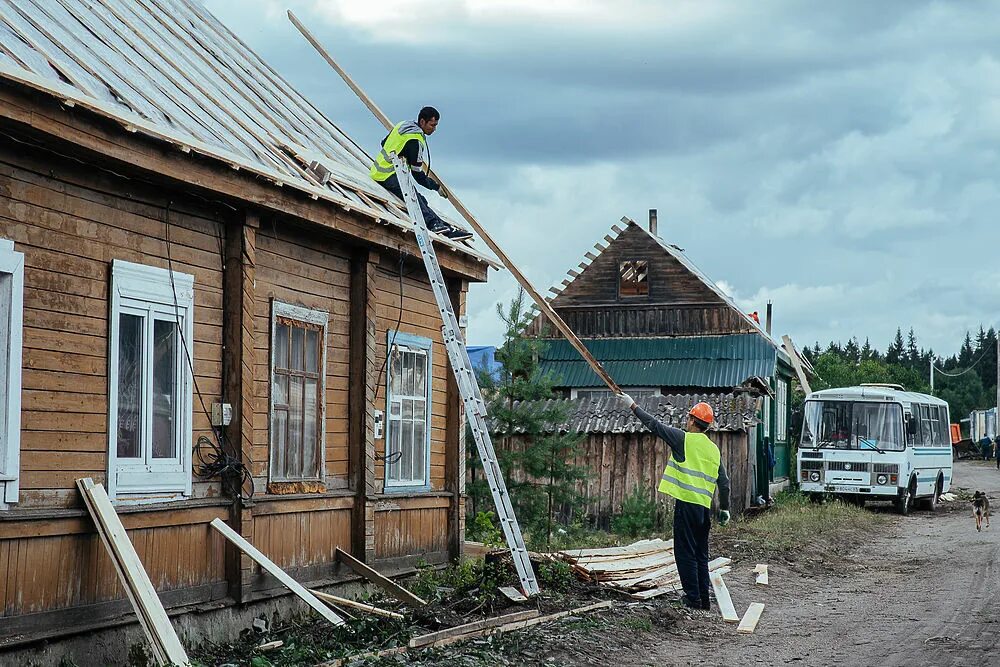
(310,439)
(279,440)
(408,373)
(419,440)
(165,394)
(395,371)
(129,385)
(392,451)
(298,336)
(294,455)
(280,389)
(420,388)
(312,350)
(281,346)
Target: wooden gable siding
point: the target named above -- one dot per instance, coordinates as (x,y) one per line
(670,283)
(70,229)
(296,268)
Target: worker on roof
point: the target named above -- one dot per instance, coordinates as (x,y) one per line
(408,140)
(693,472)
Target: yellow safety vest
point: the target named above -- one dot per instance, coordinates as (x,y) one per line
(693,480)
(405,131)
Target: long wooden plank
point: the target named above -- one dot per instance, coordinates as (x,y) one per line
(723,598)
(430,638)
(389,586)
(134,578)
(539,300)
(749,622)
(276,571)
(344,602)
(796,364)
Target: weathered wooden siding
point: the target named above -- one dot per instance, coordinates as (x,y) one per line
(620,463)
(70,229)
(411,527)
(313,273)
(646,320)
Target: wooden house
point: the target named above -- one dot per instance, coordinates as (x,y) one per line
(187,241)
(661,327)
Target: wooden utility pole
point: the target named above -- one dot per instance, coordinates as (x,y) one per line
(539,300)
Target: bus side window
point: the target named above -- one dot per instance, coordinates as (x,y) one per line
(911,428)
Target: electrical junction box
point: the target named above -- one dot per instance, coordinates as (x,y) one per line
(222,414)
(379,424)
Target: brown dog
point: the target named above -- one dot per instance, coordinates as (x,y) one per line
(981,509)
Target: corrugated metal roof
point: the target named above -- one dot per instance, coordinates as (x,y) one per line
(733,412)
(702,361)
(170,70)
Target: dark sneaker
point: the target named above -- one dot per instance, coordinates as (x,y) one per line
(456,234)
(689,603)
(705,604)
(438,227)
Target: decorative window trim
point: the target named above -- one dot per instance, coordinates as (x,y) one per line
(321,319)
(141,286)
(11,264)
(422,343)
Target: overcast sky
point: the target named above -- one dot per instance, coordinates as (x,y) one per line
(840,159)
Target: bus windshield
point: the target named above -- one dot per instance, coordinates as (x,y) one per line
(853,425)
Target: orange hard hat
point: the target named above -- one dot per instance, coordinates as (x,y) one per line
(703,412)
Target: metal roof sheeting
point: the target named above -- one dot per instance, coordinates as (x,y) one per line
(703,361)
(733,412)
(170,70)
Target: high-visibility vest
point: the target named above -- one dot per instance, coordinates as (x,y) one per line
(382,168)
(694,479)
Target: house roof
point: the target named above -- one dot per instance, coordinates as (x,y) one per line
(169,70)
(703,361)
(733,412)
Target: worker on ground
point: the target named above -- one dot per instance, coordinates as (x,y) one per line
(693,472)
(408,140)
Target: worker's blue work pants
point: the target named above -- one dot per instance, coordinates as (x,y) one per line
(691,526)
(431,219)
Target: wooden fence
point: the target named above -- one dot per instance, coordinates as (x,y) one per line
(619,463)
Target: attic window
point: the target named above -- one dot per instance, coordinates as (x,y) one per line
(633,278)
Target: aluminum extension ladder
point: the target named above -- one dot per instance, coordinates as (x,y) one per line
(475,407)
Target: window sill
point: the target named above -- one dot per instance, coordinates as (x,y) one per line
(418,492)
(43,513)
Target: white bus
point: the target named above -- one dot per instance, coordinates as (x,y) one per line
(876,442)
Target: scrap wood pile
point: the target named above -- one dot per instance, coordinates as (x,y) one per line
(641,570)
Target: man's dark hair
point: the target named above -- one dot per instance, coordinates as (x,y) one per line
(699,424)
(429,113)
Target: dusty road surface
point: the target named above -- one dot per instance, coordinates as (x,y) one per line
(925,592)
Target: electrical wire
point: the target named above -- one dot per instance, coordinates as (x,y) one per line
(217,462)
(955,375)
(396,456)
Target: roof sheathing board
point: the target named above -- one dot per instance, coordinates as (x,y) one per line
(144,65)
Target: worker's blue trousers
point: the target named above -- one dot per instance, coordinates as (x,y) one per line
(431,219)
(691,526)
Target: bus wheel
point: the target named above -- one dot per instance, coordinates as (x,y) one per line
(904,503)
(930,504)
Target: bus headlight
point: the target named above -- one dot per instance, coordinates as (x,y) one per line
(814,476)
(882,479)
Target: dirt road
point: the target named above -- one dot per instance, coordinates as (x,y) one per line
(927,592)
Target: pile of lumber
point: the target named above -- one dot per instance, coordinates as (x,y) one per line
(641,570)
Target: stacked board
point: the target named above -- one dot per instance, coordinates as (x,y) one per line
(641,570)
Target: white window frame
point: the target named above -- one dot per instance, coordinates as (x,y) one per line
(412,343)
(12,323)
(781,411)
(307,316)
(147,291)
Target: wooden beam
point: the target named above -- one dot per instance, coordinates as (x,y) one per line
(389,586)
(361,606)
(361,400)
(153,618)
(796,364)
(749,622)
(424,640)
(724,599)
(543,305)
(454,446)
(268,565)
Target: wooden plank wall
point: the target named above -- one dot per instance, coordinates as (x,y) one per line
(619,463)
(411,527)
(630,320)
(70,229)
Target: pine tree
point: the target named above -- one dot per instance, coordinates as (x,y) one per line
(967,353)
(912,353)
(894,353)
(852,352)
(868,352)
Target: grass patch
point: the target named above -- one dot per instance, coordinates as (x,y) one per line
(794,523)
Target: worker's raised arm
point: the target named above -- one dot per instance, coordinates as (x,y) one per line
(672,436)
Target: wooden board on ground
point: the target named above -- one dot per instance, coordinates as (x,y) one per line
(344,602)
(424,640)
(749,622)
(723,598)
(167,648)
(513,594)
(389,586)
(761,572)
(276,572)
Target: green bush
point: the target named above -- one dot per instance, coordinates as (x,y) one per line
(483,529)
(556,576)
(638,517)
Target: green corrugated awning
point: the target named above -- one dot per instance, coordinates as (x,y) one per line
(703,361)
